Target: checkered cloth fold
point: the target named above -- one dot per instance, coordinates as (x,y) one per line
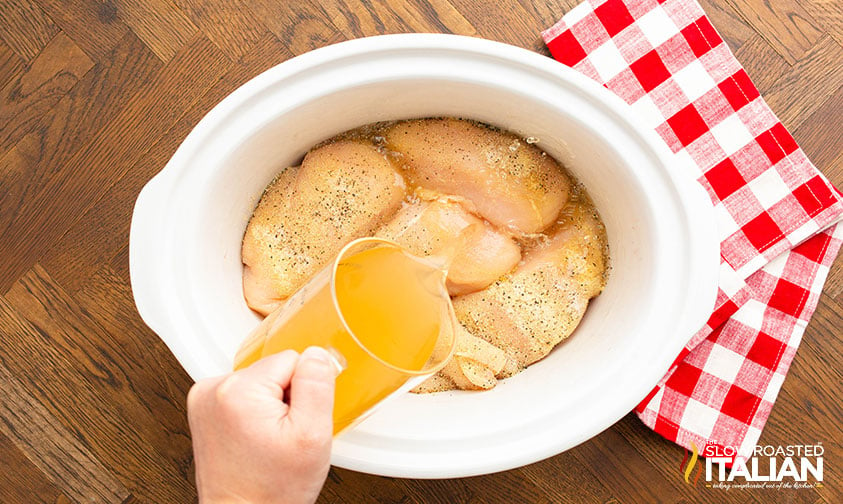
(775,211)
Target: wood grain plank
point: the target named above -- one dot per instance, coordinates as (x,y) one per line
(52,74)
(762,63)
(102,388)
(120,263)
(362,19)
(26,483)
(55,450)
(14,166)
(834,172)
(353,487)
(819,134)
(117,147)
(354,18)
(785,25)
(72,123)
(442,16)
(10,64)
(802,418)
(107,300)
(159,23)
(558,474)
(349,487)
(549,12)
(229,25)
(818,366)
(507,22)
(301,26)
(825,341)
(625,471)
(84,248)
(728,22)
(92,24)
(26,29)
(828,14)
(500,487)
(834,283)
(808,84)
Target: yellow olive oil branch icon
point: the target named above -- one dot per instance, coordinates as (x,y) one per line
(687,470)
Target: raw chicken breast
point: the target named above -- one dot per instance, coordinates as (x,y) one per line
(341,191)
(474,366)
(512,184)
(529,312)
(440,226)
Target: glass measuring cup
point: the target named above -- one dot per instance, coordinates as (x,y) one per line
(384,314)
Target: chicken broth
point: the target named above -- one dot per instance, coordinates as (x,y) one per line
(381,293)
(527,247)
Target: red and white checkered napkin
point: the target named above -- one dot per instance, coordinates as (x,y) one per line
(776,213)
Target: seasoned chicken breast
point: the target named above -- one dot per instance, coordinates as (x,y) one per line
(440,226)
(512,184)
(525,248)
(341,191)
(529,312)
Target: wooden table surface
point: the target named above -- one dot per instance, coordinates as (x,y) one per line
(96,97)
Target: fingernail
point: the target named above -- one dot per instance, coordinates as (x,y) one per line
(317,353)
(334,359)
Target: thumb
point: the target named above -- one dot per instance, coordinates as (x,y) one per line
(312,391)
(273,372)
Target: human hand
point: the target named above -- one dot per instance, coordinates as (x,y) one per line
(263,434)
